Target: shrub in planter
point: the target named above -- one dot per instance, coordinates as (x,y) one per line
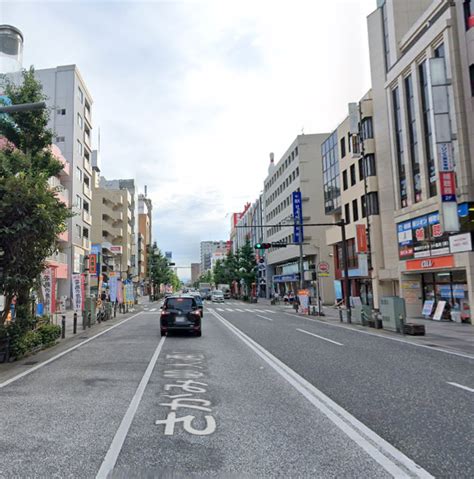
(49,333)
(32,339)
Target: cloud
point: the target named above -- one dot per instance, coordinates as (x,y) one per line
(191,96)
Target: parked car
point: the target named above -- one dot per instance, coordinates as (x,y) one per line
(217,296)
(180,313)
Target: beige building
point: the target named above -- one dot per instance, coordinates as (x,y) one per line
(299,169)
(144,240)
(195,272)
(112,213)
(351,193)
(422,67)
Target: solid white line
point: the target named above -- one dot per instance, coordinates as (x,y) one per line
(462,387)
(111,457)
(454,353)
(375,446)
(153,309)
(50,360)
(320,337)
(264,317)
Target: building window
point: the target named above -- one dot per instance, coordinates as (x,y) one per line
(400,153)
(413,138)
(355,144)
(297,171)
(344,180)
(85,232)
(80,121)
(347,213)
(361,169)
(343,147)
(372,203)
(367,129)
(61,111)
(349,141)
(296,151)
(60,139)
(471,75)
(79,231)
(355,210)
(331,175)
(78,202)
(440,51)
(79,148)
(80,95)
(369,164)
(427,128)
(78,174)
(353,175)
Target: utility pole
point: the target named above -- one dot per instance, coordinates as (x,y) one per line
(347,295)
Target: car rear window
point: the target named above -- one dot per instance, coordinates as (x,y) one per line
(179,303)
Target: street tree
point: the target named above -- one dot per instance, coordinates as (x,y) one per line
(160,271)
(219,273)
(247,264)
(31,215)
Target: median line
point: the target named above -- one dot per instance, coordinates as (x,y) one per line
(460,386)
(320,337)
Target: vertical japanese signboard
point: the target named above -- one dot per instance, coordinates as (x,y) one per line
(47,287)
(298,217)
(78,291)
(113,287)
(361,235)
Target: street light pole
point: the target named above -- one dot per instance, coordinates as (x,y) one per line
(347,301)
(22,107)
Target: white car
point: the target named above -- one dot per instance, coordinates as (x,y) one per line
(217,296)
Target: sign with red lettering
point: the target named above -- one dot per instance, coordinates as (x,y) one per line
(448,185)
(361,234)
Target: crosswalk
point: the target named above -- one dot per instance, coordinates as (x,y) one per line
(238,310)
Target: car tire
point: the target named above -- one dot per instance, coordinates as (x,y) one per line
(199,333)
(163,333)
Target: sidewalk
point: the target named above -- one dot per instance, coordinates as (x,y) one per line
(457,337)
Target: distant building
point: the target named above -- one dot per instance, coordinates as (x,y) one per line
(144,240)
(195,272)
(208,248)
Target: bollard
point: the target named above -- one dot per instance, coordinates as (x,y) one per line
(84,320)
(402,326)
(115,310)
(89,319)
(340,315)
(74,324)
(63,326)
(99,317)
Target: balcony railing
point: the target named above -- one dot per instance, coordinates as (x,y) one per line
(87,165)
(86,216)
(58,258)
(87,191)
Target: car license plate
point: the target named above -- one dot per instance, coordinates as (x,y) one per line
(180,319)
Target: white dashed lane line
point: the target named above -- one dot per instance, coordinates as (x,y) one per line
(320,337)
(264,317)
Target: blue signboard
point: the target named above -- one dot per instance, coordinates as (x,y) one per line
(338,289)
(298,217)
(282,278)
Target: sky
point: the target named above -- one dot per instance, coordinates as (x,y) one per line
(191,96)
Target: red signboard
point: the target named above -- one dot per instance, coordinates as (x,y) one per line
(431,263)
(448,185)
(93,264)
(361,234)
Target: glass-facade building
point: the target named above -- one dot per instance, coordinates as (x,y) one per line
(331,176)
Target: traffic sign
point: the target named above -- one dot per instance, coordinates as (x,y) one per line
(323,267)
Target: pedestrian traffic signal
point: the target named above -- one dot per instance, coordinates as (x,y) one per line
(263,245)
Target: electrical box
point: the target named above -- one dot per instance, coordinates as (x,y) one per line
(391,308)
(89,307)
(362,314)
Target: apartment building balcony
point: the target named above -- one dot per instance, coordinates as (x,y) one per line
(87,165)
(87,191)
(86,243)
(64,236)
(86,216)
(87,138)
(87,114)
(59,262)
(66,171)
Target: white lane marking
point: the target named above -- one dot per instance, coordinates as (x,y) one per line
(462,387)
(219,309)
(320,337)
(153,309)
(264,317)
(50,360)
(250,310)
(239,310)
(468,356)
(111,457)
(228,309)
(269,311)
(375,446)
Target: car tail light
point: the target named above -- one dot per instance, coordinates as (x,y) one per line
(165,313)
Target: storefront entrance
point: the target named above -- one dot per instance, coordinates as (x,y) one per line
(449,286)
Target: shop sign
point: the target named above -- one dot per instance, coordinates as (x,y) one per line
(430,263)
(338,289)
(361,235)
(458,291)
(428,307)
(421,246)
(282,278)
(445,157)
(323,269)
(460,243)
(445,290)
(116,249)
(439,310)
(448,186)
(303,296)
(405,240)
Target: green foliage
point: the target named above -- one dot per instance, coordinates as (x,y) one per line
(49,333)
(31,215)
(204,278)
(247,264)
(160,271)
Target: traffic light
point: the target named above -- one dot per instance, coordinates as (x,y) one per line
(270,245)
(171,264)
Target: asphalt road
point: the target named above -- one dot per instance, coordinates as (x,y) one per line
(272,402)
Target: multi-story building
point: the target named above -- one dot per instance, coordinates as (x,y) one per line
(59,261)
(144,240)
(112,213)
(208,248)
(70,104)
(299,169)
(351,193)
(195,272)
(422,56)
